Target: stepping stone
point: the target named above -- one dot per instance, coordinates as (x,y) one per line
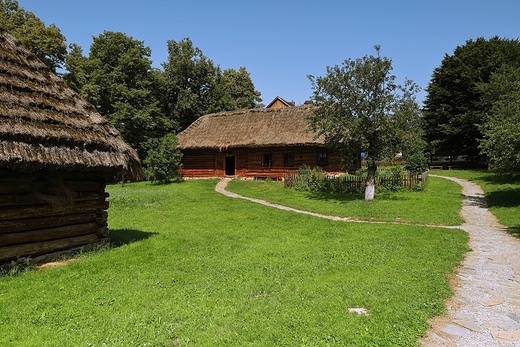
(456,330)
(506,335)
(468,325)
(491,302)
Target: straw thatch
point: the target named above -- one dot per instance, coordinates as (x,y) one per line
(44,124)
(273,127)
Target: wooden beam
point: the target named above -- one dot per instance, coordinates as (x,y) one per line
(34,211)
(12,252)
(48,234)
(18,225)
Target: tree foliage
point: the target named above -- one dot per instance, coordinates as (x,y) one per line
(240,87)
(117,77)
(163,161)
(454,107)
(193,84)
(47,43)
(196,86)
(363,109)
(501,141)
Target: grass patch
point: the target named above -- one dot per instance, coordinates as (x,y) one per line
(196,268)
(439,203)
(502,196)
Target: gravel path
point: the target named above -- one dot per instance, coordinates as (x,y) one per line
(485,308)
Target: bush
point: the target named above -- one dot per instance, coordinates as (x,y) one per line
(393,179)
(163,162)
(416,164)
(310,179)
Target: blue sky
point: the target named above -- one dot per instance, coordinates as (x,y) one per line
(281,42)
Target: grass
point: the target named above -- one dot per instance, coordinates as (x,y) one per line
(503,196)
(195,268)
(439,203)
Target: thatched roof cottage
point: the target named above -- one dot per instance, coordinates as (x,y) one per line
(56,153)
(268,142)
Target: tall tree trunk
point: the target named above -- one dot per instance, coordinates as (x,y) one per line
(370,187)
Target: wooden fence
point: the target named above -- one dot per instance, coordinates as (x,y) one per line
(353,183)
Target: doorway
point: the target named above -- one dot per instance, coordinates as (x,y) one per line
(230,166)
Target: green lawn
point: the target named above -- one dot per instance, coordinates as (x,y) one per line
(196,268)
(503,197)
(439,203)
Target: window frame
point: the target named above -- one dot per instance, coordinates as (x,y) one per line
(288,159)
(322,159)
(269,161)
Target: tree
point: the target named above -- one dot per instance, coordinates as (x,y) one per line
(361,109)
(163,161)
(47,43)
(194,84)
(501,141)
(118,79)
(241,89)
(454,108)
(76,65)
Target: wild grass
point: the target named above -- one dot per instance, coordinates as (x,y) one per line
(439,203)
(502,195)
(195,268)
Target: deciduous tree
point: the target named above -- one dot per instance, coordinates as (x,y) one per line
(361,108)
(47,43)
(163,161)
(501,140)
(118,79)
(196,86)
(241,89)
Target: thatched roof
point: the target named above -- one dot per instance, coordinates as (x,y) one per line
(266,127)
(44,124)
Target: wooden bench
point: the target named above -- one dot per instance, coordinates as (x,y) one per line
(453,167)
(433,167)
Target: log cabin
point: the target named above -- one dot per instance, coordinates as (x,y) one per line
(256,143)
(56,154)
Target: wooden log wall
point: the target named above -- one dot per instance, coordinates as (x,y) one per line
(248,161)
(47,212)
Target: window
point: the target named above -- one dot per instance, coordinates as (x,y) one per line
(323,159)
(267,160)
(288,159)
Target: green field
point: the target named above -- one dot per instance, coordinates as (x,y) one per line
(196,268)
(438,204)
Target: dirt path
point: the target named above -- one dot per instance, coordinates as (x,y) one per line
(485,308)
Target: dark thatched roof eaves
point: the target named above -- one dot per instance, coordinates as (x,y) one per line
(274,127)
(44,124)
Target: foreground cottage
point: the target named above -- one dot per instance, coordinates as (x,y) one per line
(56,154)
(267,142)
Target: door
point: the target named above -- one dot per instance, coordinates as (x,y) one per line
(230,166)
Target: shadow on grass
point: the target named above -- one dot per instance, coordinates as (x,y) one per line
(345,197)
(515,231)
(504,198)
(120,237)
(339,197)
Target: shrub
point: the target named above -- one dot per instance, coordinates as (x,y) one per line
(164,161)
(310,179)
(416,164)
